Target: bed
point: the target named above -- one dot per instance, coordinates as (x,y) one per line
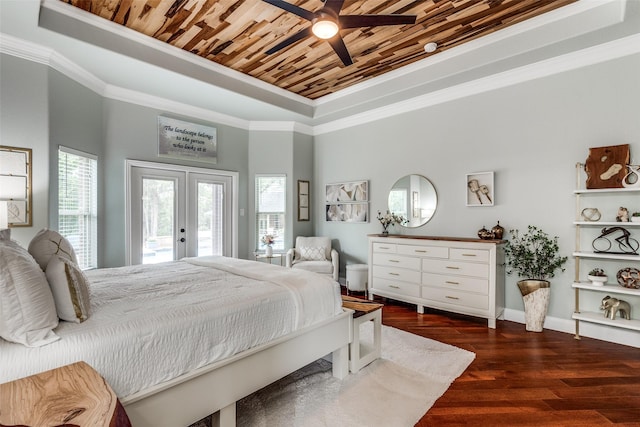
(181,340)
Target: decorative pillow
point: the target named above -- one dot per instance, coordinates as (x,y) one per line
(70,289)
(47,243)
(312,254)
(27,311)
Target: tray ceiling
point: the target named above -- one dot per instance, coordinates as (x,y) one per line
(236,34)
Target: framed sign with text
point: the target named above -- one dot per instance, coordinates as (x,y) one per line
(178,139)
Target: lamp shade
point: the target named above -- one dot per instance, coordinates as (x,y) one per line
(4,214)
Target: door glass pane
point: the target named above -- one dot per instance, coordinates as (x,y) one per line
(210,219)
(158,212)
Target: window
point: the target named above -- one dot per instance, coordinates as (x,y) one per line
(270,209)
(78,203)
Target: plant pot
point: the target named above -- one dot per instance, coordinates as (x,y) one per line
(536,295)
(597,280)
(635,219)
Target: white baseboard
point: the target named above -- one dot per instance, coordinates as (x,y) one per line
(591,330)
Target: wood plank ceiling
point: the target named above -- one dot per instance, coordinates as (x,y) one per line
(237,33)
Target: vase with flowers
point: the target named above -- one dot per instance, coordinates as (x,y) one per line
(268,240)
(390,219)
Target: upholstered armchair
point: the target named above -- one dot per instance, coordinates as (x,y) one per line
(314,254)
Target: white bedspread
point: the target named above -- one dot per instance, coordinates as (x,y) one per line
(152,323)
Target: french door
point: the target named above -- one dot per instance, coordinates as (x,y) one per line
(176,211)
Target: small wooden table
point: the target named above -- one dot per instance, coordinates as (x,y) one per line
(70,395)
(365,311)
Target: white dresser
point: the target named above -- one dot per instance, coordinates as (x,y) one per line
(453,274)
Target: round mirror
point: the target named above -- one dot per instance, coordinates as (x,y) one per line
(415,198)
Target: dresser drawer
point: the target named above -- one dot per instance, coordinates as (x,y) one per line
(394,273)
(397,287)
(476,255)
(424,251)
(455,268)
(393,260)
(458,283)
(389,248)
(463,299)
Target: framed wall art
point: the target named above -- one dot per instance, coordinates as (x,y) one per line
(15,184)
(178,139)
(480,189)
(347,201)
(303,200)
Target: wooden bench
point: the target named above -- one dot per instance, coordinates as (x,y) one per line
(361,355)
(70,395)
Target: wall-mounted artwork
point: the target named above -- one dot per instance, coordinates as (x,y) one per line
(480,190)
(347,201)
(178,139)
(303,200)
(15,184)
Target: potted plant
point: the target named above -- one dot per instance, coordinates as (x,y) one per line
(635,217)
(268,240)
(534,256)
(597,276)
(390,219)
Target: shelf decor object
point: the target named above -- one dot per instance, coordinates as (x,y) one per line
(606,167)
(15,185)
(627,286)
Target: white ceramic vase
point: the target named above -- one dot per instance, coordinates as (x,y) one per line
(268,251)
(536,295)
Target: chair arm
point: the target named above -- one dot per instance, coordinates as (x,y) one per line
(335,262)
(289,257)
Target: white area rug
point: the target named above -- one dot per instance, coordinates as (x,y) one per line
(394,391)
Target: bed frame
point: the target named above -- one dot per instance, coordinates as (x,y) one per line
(218,386)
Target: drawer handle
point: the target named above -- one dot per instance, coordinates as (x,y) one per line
(452,283)
(450,297)
(469,255)
(422,251)
(394,274)
(394,286)
(394,260)
(453,268)
(384,247)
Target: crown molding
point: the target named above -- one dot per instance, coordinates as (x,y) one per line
(590,56)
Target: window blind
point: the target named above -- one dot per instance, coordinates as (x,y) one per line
(271,209)
(78,203)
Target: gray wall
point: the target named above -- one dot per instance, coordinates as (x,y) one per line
(24,123)
(531,135)
(131,132)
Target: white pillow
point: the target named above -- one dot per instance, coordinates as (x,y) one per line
(70,289)
(312,254)
(47,243)
(27,311)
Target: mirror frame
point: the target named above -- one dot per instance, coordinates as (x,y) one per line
(416,197)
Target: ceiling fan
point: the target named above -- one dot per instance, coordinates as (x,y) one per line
(327,22)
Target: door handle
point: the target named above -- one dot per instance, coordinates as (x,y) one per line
(182,240)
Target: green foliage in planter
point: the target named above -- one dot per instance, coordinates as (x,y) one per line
(533,255)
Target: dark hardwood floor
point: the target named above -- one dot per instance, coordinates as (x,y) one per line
(522,378)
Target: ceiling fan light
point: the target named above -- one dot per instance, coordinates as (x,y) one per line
(324,29)
(430,47)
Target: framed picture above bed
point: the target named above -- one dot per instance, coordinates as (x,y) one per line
(15,184)
(347,201)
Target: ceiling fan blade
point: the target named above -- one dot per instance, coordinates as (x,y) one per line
(306,32)
(335,5)
(341,50)
(303,13)
(355,21)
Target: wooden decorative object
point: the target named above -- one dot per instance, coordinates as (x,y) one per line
(606,167)
(71,395)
